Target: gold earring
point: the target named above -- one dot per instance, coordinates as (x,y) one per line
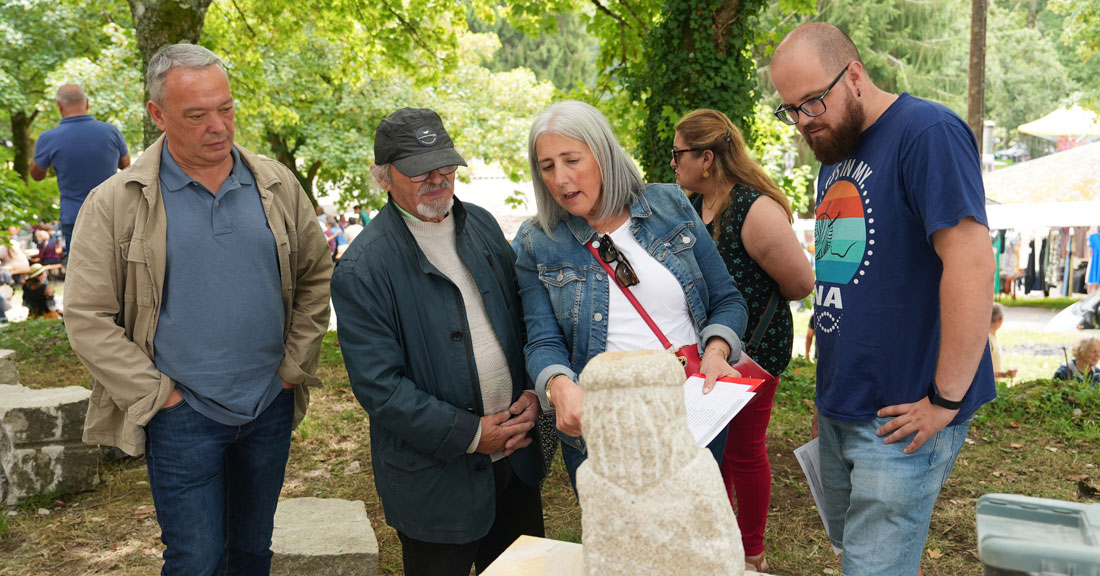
(706,174)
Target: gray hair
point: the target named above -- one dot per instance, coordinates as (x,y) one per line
(620,180)
(189,56)
(70,95)
(1082,346)
(998,312)
(381,173)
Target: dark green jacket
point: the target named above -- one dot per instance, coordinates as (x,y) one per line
(406,344)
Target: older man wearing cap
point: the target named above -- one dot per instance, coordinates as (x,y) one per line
(431,330)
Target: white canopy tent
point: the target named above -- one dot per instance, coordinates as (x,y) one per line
(1042,215)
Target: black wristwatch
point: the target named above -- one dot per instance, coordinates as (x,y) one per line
(935,398)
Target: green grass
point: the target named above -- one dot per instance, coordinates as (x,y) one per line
(1038,438)
(1052,303)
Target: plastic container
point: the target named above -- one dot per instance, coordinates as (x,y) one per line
(1025,536)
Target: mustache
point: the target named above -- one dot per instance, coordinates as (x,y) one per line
(428,187)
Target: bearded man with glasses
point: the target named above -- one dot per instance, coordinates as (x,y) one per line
(904,291)
(429,322)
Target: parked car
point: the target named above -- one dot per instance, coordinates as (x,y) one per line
(1018,152)
(1081,315)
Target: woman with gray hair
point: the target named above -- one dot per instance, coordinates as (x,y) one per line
(611,263)
(1082,367)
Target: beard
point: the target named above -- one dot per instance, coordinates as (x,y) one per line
(438,207)
(839,141)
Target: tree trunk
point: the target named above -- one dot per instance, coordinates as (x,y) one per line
(160,23)
(975,101)
(285,155)
(22,147)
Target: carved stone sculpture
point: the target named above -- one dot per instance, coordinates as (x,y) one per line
(652,502)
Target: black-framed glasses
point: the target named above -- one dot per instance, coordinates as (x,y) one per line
(444,171)
(677,152)
(813,107)
(624,272)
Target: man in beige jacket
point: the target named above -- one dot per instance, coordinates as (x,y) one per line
(199,298)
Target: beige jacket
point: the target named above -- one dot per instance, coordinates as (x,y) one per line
(116,277)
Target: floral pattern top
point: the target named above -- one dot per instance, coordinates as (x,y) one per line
(773,352)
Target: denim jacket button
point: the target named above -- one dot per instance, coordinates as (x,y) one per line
(599,277)
(597,316)
(561,275)
(685,239)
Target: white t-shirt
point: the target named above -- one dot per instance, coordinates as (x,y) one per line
(657,291)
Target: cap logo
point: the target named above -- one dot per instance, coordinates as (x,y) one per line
(426,136)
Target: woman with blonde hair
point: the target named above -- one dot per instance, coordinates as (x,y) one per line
(749,218)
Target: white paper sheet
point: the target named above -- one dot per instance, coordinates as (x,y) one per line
(809,458)
(708,414)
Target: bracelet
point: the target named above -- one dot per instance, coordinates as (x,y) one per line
(725,353)
(550,383)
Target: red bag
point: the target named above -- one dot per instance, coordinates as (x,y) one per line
(688,356)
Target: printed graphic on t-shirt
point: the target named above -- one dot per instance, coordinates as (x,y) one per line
(843,240)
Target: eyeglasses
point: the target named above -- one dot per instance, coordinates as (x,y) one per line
(813,107)
(444,171)
(624,273)
(676,153)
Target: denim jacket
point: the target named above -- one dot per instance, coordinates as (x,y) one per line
(565,290)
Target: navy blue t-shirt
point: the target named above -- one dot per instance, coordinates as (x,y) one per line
(84,152)
(877,298)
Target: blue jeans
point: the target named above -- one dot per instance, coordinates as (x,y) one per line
(878,500)
(574,451)
(215,487)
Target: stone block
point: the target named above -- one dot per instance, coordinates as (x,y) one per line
(652,502)
(9,373)
(40,448)
(323,536)
(42,469)
(51,414)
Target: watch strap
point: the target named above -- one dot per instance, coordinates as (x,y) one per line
(935,398)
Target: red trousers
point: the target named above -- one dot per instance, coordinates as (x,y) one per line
(746,470)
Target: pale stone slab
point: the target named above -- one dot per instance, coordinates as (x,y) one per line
(51,414)
(326,536)
(652,502)
(530,556)
(9,373)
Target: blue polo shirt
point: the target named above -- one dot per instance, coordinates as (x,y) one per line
(220,331)
(84,152)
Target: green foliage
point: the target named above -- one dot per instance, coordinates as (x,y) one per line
(1021,87)
(1051,303)
(1066,409)
(565,56)
(313,81)
(774,147)
(26,201)
(1082,24)
(697,56)
(917,47)
(111,79)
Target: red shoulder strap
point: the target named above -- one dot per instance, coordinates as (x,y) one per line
(630,296)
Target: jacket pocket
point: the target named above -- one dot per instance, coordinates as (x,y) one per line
(139,284)
(565,285)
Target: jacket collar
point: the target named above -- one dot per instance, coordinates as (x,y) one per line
(582,232)
(145,171)
(391,218)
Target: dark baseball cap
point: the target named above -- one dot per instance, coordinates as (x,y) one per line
(415,142)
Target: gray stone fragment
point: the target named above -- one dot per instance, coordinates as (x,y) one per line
(40,447)
(9,373)
(323,536)
(652,502)
(30,415)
